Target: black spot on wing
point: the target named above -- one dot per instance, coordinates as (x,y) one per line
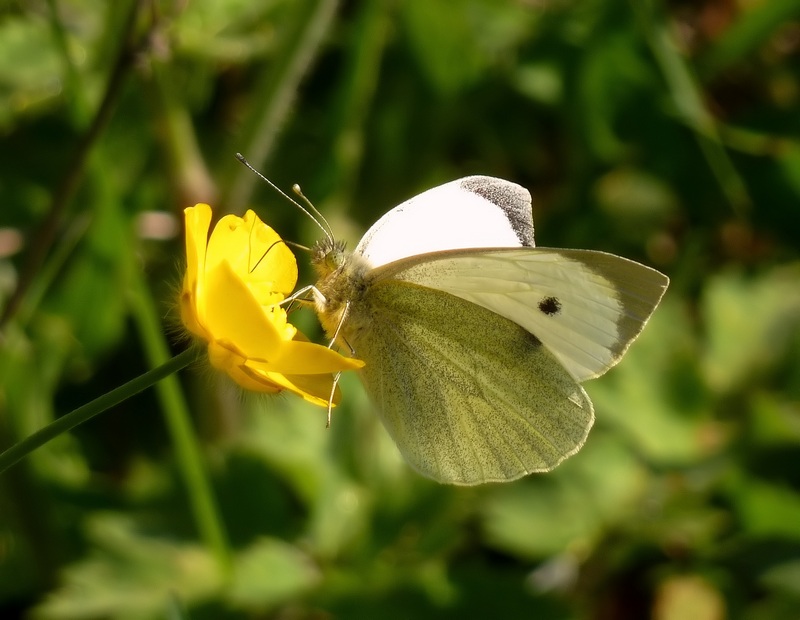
(514,200)
(550,306)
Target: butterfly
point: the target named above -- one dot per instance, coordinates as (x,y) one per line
(476,342)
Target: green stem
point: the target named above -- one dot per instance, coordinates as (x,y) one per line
(188,455)
(188,170)
(359,81)
(304,34)
(49,228)
(80,415)
(689,103)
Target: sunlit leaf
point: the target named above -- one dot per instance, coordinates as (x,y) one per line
(688,597)
(271,572)
(131,575)
(568,508)
(655,395)
(749,321)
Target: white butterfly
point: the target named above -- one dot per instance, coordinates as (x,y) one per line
(475,341)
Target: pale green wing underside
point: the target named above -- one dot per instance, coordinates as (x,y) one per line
(587,307)
(467,395)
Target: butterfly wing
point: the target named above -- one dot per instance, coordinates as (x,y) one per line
(476,211)
(585,306)
(467,395)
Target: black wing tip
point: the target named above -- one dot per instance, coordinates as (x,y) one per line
(514,200)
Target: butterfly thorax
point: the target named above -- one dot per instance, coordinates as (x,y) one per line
(342,278)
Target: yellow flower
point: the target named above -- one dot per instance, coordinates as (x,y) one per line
(233,284)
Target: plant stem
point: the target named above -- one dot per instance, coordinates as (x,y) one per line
(62,197)
(688,100)
(80,415)
(188,455)
(305,33)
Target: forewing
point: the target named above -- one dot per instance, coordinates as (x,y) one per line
(587,307)
(476,211)
(467,395)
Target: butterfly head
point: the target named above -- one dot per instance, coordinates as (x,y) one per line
(327,255)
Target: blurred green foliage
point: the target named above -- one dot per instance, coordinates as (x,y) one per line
(665,132)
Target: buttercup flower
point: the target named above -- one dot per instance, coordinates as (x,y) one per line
(233,284)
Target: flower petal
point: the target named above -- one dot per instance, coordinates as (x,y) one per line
(197,220)
(253,382)
(234,316)
(307,358)
(313,388)
(255,252)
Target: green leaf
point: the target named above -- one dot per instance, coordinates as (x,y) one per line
(456,42)
(766,509)
(611,79)
(293,440)
(749,322)
(636,200)
(655,396)
(130,575)
(568,507)
(784,577)
(270,572)
(27,85)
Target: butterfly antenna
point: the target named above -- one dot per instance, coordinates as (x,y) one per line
(325,229)
(299,246)
(296,189)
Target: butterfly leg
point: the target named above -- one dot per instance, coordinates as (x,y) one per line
(341,322)
(300,295)
(330,399)
(330,345)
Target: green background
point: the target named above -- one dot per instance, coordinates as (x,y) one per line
(664,132)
